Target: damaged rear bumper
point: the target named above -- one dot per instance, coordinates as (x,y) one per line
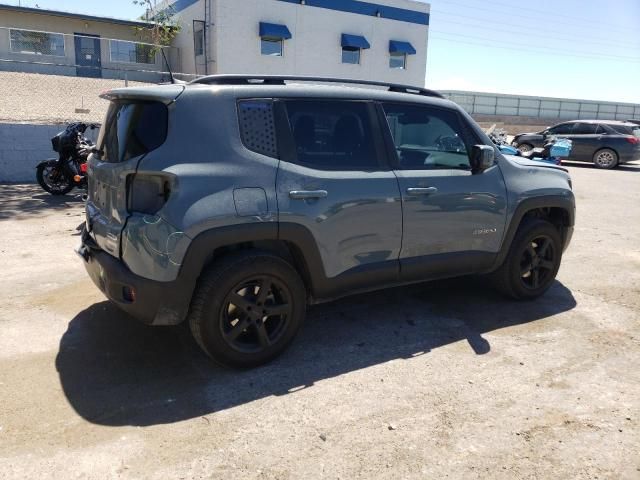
(150,301)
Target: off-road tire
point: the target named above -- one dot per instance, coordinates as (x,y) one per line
(207,317)
(510,279)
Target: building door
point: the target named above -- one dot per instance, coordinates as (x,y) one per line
(88,56)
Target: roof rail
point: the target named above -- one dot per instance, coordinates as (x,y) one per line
(282,79)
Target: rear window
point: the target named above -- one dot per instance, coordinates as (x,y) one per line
(627,129)
(132,129)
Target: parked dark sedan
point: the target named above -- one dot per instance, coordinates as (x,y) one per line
(606,143)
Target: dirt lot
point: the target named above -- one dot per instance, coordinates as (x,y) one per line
(432,381)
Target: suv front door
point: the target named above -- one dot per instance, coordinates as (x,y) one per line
(453,220)
(333,183)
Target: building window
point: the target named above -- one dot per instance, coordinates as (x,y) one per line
(37,43)
(131,52)
(198,37)
(351,55)
(271,47)
(352,46)
(398,60)
(272,36)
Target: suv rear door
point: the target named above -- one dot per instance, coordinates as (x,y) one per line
(332,180)
(453,220)
(586,137)
(135,124)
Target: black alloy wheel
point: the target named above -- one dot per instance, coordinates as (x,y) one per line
(532,263)
(537,262)
(247,308)
(255,314)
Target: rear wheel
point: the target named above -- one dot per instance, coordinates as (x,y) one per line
(605,159)
(247,308)
(52,179)
(532,262)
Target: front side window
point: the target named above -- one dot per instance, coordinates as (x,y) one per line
(37,43)
(398,60)
(562,129)
(427,138)
(131,52)
(132,129)
(332,135)
(351,55)
(271,47)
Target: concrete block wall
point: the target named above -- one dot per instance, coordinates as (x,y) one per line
(23,146)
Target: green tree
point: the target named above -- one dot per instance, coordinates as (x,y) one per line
(163,27)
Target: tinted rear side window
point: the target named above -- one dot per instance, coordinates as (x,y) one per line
(132,129)
(332,135)
(584,128)
(257,127)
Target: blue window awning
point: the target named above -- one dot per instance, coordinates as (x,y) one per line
(273,30)
(354,41)
(396,46)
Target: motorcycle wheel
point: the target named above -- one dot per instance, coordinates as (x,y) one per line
(52,179)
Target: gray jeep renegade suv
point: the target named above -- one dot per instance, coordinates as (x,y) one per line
(233,202)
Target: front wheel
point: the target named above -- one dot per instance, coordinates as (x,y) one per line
(52,179)
(532,262)
(525,147)
(247,308)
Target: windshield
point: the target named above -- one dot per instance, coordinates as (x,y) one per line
(132,128)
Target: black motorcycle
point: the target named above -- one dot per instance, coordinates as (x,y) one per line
(59,176)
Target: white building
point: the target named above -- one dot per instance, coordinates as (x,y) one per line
(384,40)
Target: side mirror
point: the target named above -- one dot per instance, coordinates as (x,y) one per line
(482,157)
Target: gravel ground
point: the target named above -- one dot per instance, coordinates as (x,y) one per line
(432,381)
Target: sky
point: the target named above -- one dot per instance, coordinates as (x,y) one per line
(583,49)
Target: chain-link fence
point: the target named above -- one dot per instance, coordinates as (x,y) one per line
(49,77)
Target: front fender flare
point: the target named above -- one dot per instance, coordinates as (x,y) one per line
(564,202)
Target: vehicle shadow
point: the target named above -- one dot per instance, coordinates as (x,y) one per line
(116,371)
(22,201)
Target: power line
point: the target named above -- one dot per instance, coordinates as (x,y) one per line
(534,50)
(620,57)
(535,31)
(543,12)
